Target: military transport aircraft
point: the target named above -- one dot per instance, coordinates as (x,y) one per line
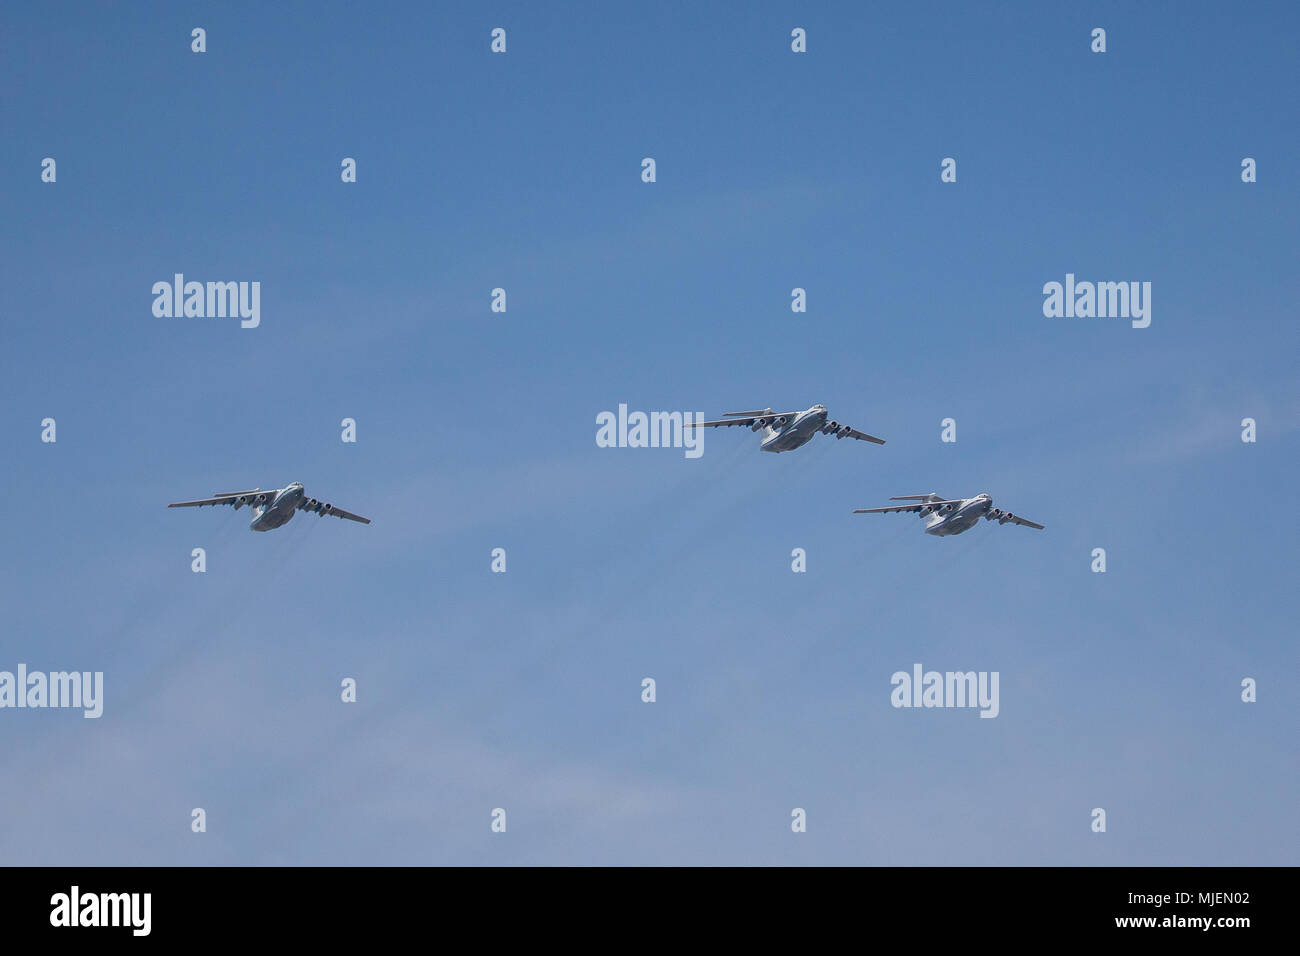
(945,516)
(272,508)
(786,431)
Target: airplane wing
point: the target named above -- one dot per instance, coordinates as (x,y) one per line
(1016,519)
(863,436)
(744,418)
(915,507)
(319,508)
(228,499)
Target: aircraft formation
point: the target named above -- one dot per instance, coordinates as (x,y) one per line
(781,431)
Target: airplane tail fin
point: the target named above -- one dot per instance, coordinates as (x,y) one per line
(932,496)
(231,494)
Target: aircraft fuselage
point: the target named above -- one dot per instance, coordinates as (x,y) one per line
(965,517)
(796,433)
(278,512)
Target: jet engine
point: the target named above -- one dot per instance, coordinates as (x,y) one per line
(260,499)
(843,431)
(1006,516)
(778,422)
(992,514)
(326,509)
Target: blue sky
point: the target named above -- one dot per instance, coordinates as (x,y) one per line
(477,430)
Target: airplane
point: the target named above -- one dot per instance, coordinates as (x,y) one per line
(945,516)
(786,431)
(273,508)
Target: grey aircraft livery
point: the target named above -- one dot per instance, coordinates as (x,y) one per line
(786,431)
(273,508)
(945,516)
